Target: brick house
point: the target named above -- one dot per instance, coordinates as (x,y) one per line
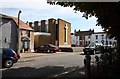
(82,35)
(52,31)
(9,34)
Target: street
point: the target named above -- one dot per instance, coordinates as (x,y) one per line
(53,65)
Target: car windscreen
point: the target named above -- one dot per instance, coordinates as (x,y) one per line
(52,45)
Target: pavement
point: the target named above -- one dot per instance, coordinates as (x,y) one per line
(33,54)
(29,55)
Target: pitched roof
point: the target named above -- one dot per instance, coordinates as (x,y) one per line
(99,32)
(83,33)
(22,25)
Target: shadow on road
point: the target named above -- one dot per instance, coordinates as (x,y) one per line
(49,72)
(46,72)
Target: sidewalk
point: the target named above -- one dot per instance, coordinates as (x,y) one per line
(24,57)
(29,55)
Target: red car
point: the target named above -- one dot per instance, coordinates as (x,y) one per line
(47,48)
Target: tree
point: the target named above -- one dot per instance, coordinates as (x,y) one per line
(107,14)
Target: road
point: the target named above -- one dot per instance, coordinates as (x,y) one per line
(54,65)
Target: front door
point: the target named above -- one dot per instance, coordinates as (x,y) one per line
(27,45)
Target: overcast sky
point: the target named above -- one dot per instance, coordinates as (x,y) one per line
(36,10)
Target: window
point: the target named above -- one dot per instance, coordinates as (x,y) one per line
(102,36)
(5,40)
(47,28)
(76,37)
(110,42)
(86,42)
(106,42)
(28,33)
(89,42)
(89,37)
(96,36)
(102,41)
(76,42)
(96,41)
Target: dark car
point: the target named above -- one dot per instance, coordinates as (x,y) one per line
(9,57)
(47,48)
(93,48)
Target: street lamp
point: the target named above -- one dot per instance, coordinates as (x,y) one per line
(19,33)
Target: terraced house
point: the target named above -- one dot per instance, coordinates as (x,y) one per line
(52,31)
(9,34)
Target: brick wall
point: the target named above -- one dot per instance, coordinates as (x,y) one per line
(61,34)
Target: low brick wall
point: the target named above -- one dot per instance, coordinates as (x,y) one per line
(77,49)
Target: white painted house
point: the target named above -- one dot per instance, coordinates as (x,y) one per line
(100,37)
(75,40)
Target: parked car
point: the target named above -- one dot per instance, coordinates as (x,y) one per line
(47,48)
(93,48)
(9,57)
(73,45)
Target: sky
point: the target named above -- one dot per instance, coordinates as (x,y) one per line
(36,10)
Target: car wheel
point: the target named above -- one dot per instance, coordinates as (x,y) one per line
(36,50)
(8,63)
(48,51)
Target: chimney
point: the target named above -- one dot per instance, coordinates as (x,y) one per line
(36,26)
(27,22)
(30,24)
(43,26)
(75,32)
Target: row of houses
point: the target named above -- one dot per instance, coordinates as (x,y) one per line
(26,37)
(10,30)
(83,38)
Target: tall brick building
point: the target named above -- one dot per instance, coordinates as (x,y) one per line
(52,31)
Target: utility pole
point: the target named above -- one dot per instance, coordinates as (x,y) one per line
(19,33)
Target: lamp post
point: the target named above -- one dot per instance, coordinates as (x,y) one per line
(19,33)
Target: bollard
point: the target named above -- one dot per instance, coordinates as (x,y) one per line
(87,61)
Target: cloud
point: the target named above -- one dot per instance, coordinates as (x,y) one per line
(33,10)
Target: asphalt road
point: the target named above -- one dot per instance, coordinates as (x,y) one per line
(54,65)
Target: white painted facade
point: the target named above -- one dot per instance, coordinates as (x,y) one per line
(100,37)
(75,40)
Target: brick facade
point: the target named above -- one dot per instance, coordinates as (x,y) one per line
(52,31)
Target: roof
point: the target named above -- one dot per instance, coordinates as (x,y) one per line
(63,20)
(22,25)
(84,33)
(4,16)
(99,33)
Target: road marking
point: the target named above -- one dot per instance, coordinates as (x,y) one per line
(63,73)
